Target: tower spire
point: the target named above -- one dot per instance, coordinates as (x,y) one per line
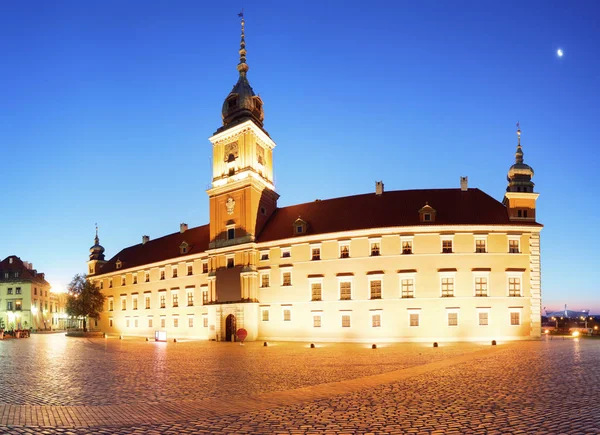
(519,153)
(96,239)
(242,66)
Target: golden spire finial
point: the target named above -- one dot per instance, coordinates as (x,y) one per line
(242,66)
(518,134)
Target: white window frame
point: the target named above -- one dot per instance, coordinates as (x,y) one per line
(227,258)
(264,252)
(513,238)
(187,269)
(262,315)
(283,310)
(203,291)
(342,279)
(452,311)
(175,319)
(190,317)
(409,275)
(127,322)
(445,238)
(518,310)
(263,273)
(175,291)
(315,246)
(163,322)
(150,321)
(162,273)
(340,246)
(448,275)
(311,281)
(345,313)
(318,314)
(282,270)
(483,310)
(286,251)
(111,301)
(481,274)
(202,264)
(514,274)
(205,320)
(135,303)
(412,244)
(188,291)
(416,311)
(375,277)
(477,238)
(372,241)
(377,312)
(123,298)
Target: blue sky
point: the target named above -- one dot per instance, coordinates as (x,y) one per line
(107,107)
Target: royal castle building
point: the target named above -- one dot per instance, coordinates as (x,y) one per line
(412,265)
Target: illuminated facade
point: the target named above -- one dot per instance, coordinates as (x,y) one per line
(418,265)
(25,297)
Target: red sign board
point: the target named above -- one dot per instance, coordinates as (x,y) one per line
(241,334)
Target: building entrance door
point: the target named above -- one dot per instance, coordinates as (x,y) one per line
(230,328)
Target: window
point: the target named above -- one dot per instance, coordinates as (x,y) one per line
(163,300)
(175,322)
(149,323)
(407,247)
(134,301)
(230,233)
(110,322)
(345,290)
(481,286)
(9,291)
(408,287)
(162,273)
(515,318)
(163,322)
(122,280)
(427,217)
(174,272)
(9,306)
(264,279)
(147,302)
(190,299)
(111,305)
(205,321)
(286,253)
(287,315)
(514,286)
(316,253)
(135,322)
(513,246)
(316,291)
(190,322)
(205,267)
(17,290)
(452,319)
(375,289)
(375,249)
(19,305)
(146,276)
(204,296)
(480,246)
(230,262)
(101,285)
(376,320)
(6,273)
(135,278)
(316,320)
(123,304)
(286,278)
(110,283)
(264,255)
(175,301)
(299,229)
(345,320)
(447,287)
(35,291)
(447,246)
(413,319)
(483,318)
(127,323)
(345,251)
(190,269)
(265,314)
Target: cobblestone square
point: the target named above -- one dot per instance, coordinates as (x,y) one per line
(52,384)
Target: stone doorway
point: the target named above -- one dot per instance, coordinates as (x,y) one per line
(230,328)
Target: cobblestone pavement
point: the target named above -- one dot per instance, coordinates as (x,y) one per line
(541,387)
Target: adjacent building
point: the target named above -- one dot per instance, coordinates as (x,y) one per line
(413,265)
(25,297)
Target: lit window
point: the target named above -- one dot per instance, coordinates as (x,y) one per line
(190,270)
(175,322)
(345,320)
(286,278)
(163,300)
(481,286)
(111,305)
(375,289)
(287,315)
(452,319)
(514,287)
(135,278)
(190,299)
(175,301)
(190,322)
(264,280)
(407,247)
(19,305)
(480,246)
(174,271)
(205,297)
(286,253)
(162,274)
(205,267)
(134,301)
(447,287)
(316,321)
(345,290)
(515,318)
(146,276)
(376,320)
(147,302)
(149,323)
(375,249)
(483,318)
(513,246)
(408,288)
(344,251)
(163,322)
(123,304)
(447,246)
(316,254)
(265,315)
(316,291)
(414,319)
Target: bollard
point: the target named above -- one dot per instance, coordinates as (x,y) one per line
(265,344)
(147,339)
(120,337)
(174,340)
(435,344)
(312,345)
(493,342)
(374,346)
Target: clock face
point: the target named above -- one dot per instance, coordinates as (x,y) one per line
(231,151)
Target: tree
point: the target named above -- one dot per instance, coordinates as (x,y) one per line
(84,299)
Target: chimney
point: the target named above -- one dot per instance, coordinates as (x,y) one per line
(378,187)
(183,228)
(145,239)
(464,183)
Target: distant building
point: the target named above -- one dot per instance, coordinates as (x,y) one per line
(415,265)
(25,297)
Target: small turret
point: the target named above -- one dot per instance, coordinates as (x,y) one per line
(96,255)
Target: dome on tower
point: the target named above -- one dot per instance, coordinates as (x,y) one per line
(242,104)
(520,173)
(97,251)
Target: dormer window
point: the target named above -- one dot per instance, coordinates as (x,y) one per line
(427,214)
(300,227)
(184,248)
(118,264)
(286,252)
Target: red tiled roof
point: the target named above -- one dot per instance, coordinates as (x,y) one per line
(160,249)
(25,274)
(391,209)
